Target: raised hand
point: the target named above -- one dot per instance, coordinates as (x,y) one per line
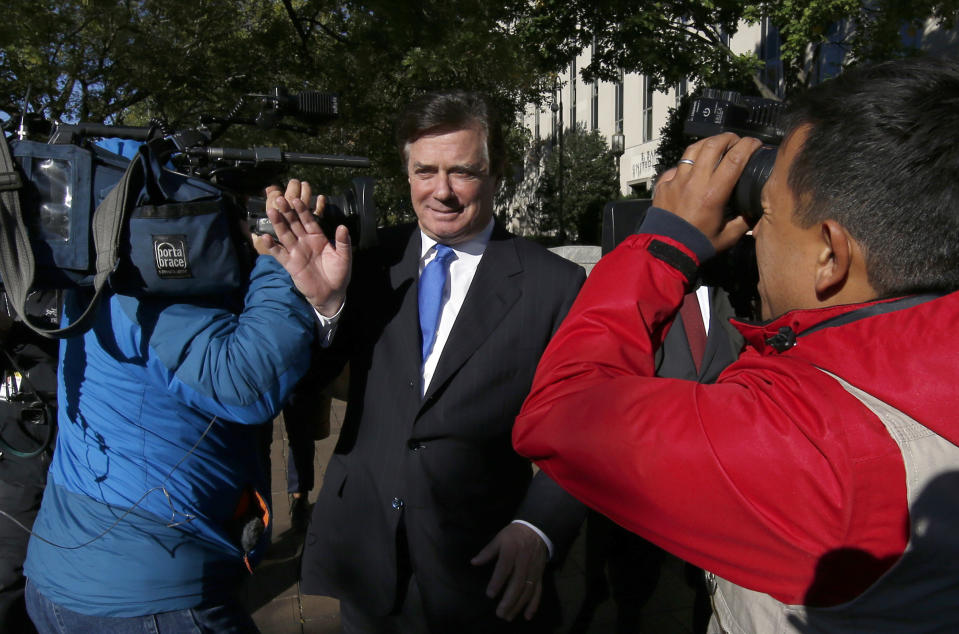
(320,269)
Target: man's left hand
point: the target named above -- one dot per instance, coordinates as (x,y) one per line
(521,558)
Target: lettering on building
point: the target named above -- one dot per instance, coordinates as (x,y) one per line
(644,165)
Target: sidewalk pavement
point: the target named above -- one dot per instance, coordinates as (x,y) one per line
(273,595)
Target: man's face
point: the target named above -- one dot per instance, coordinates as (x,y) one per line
(450,184)
(785,252)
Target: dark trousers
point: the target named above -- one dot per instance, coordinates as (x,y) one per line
(21,501)
(627,567)
(409,619)
(302,449)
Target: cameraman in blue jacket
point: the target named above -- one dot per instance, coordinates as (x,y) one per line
(158,496)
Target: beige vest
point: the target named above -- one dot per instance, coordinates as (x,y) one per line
(920,593)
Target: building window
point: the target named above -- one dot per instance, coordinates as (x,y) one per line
(536,123)
(572,95)
(618,112)
(647,109)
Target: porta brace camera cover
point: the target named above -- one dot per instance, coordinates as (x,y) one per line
(75,217)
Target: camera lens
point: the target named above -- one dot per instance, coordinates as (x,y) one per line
(747,196)
(354,208)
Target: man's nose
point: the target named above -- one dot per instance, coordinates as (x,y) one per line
(443,190)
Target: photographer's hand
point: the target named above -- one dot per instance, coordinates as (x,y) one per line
(320,269)
(698,192)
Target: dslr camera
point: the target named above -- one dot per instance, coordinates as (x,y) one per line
(718,111)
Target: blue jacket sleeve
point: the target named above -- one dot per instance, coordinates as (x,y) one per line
(238,366)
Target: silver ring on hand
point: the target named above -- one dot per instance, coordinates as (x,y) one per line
(687,161)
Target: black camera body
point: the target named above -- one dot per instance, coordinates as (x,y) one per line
(719,111)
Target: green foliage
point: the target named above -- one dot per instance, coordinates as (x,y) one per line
(670,40)
(574,180)
(868,31)
(127,61)
(666,40)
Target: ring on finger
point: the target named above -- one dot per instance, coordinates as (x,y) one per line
(686,161)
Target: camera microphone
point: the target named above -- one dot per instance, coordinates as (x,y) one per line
(310,105)
(313,103)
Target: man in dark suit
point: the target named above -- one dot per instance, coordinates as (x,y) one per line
(428,520)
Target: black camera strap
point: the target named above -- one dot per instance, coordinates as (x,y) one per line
(17,264)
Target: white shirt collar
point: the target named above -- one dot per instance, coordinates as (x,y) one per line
(474,246)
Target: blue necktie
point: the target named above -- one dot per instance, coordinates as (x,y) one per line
(431,286)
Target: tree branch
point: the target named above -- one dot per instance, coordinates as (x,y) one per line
(330,32)
(298,27)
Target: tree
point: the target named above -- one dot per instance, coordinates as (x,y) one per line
(668,41)
(865,31)
(567,186)
(671,40)
(380,54)
(128,61)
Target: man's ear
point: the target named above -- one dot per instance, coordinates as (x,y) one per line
(834,260)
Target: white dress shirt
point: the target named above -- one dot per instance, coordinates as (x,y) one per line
(702,295)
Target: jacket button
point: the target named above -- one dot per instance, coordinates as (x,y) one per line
(415,445)
(397,503)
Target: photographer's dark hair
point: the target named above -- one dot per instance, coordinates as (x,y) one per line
(448,111)
(882,159)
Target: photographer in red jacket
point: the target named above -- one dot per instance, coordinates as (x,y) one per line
(815,480)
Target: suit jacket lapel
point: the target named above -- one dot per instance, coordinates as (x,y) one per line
(490,296)
(406,324)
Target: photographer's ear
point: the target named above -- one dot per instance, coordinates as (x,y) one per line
(835,260)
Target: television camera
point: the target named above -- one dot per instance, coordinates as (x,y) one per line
(164,221)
